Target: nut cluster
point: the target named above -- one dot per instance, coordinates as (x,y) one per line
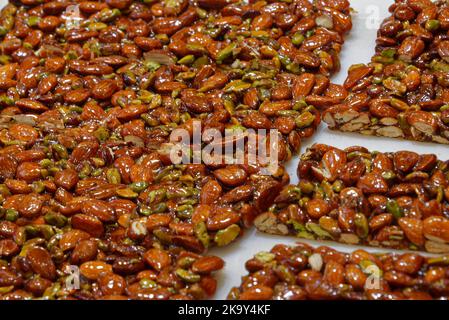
(403,92)
(397,200)
(302,272)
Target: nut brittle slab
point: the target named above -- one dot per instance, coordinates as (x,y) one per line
(160,64)
(403,92)
(397,200)
(302,272)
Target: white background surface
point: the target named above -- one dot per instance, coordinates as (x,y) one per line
(358,48)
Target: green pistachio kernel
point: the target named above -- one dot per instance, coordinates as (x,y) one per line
(47,231)
(432,25)
(38,186)
(3,31)
(55,219)
(293,68)
(4,290)
(151,65)
(265,257)
(11,215)
(388,175)
(187,276)
(305,235)
(361,224)
(388,53)
(4,59)
(61,151)
(185,211)
(298,38)
(102,134)
(304,120)
(202,14)
(306,187)
(186,262)
(85,171)
(318,231)
(96,172)
(237,86)
(113,176)
(226,52)
(147,283)
(189,59)
(297,225)
(226,236)
(46,163)
(126,193)
(138,186)
(4,99)
(370,268)
(442,260)
(32,21)
(436,65)
(394,208)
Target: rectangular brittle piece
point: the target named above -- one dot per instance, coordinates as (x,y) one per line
(148,272)
(92,181)
(302,272)
(403,92)
(158,66)
(397,200)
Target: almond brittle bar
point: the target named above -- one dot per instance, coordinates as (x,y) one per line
(397,200)
(403,92)
(302,272)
